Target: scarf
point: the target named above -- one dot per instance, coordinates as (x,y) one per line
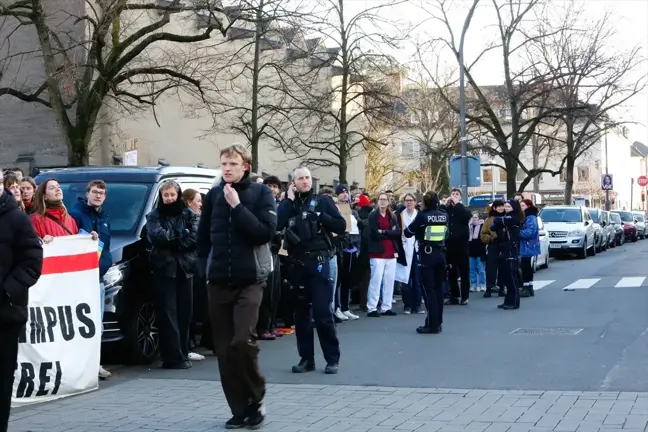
(475,229)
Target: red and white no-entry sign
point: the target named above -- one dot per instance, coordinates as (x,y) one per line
(642,181)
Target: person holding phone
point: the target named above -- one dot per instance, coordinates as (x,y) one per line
(308,221)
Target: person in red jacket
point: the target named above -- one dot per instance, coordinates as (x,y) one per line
(50,217)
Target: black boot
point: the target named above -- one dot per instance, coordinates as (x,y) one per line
(524,292)
(304,366)
(531,292)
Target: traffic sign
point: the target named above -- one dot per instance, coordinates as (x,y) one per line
(642,181)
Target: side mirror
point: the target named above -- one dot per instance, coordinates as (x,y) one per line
(586,223)
(603,223)
(636,221)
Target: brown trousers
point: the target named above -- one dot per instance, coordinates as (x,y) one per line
(234,313)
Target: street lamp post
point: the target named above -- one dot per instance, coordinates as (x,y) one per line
(462,105)
(607,191)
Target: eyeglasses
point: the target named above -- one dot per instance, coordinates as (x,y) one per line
(98,192)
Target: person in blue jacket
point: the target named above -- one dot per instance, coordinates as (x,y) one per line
(529,245)
(89,216)
(507,228)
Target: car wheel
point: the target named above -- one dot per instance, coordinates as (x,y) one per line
(546,262)
(635,238)
(582,254)
(591,251)
(142,335)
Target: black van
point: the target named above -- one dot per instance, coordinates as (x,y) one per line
(129,317)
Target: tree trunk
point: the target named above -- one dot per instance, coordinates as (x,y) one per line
(525,183)
(78,152)
(254,121)
(343,164)
(511,173)
(536,162)
(569,179)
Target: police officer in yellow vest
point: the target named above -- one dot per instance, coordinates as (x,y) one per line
(431,229)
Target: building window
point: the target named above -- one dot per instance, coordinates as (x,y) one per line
(583,174)
(413,118)
(487,175)
(502,175)
(597,164)
(520,176)
(407,150)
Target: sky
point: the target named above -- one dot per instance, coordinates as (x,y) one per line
(628,19)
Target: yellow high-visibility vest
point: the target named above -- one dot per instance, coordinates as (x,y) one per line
(435,233)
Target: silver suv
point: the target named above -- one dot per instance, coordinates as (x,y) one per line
(571,230)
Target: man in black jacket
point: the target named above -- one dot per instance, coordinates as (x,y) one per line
(457,248)
(238,221)
(21,259)
(309,221)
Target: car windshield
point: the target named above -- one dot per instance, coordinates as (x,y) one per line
(595,215)
(124,203)
(626,216)
(615,217)
(639,218)
(561,215)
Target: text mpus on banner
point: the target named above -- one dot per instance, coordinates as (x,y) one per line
(60,345)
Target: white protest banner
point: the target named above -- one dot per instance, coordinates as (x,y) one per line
(60,347)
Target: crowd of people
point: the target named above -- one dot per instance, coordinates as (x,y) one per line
(282,262)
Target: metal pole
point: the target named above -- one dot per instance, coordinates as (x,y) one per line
(462,106)
(607,191)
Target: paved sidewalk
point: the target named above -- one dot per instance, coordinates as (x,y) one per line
(196,406)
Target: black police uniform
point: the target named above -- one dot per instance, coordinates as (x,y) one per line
(431,229)
(308,221)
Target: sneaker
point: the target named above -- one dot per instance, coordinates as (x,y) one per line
(473,288)
(350,315)
(277,333)
(451,302)
(464,302)
(331,369)
(340,315)
(195,357)
(267,336)
(235,423)
(374,314)
(103,373)
(421,311)
(256,418)
(304,366)
(389,313)
(407,311)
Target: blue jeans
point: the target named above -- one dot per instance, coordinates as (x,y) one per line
(477,272)
(412,291)
(334,277)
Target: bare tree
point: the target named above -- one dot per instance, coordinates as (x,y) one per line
(262,69)
(511,113)
(594,80)
(95,53)
(382,170)
(433,126)
(360,93)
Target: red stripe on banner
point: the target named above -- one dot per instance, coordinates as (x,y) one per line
(70,263)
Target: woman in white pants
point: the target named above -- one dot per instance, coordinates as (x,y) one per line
(384,241)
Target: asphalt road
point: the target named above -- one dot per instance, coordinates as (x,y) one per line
(607,349)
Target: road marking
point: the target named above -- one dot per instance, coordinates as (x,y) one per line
(581,284)
(539,284)
(630,282)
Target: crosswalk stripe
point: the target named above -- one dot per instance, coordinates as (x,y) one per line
(630,282)
(539,284)
(581,284)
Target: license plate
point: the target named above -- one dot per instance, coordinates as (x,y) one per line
(555,245)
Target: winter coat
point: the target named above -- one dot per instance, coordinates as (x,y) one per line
(94,219)
(21,261)
(530,234)
(233,234)
(45,225)
(507,229)
(476,248)
(375,239)
(487,236)
(173,237)
(458,218)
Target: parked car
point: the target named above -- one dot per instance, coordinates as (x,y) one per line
(599,232)
(640,220)
(542,260)
(629,224)
(129,318)
(619,233)
(570,230)
(607,225)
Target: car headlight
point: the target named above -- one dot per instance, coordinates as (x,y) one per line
(115,275)
(575,233)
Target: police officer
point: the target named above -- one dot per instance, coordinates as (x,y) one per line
(431,228)
(308,221)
